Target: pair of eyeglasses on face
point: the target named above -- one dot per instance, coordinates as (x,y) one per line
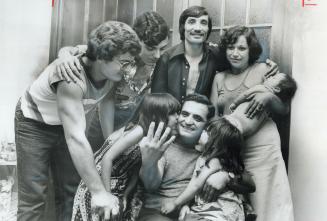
(126,64)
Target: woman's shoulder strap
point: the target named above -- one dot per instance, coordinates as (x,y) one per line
(219,79)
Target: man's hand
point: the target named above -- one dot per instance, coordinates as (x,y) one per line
(154,145)
(69,68)
(152,148)
(105,204)
(184,211)
(214,184)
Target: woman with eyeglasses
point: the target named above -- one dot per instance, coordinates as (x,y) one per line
(51,119)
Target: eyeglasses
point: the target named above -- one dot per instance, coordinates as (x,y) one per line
(126,65)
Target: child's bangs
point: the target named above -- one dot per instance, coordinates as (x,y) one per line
(173,106)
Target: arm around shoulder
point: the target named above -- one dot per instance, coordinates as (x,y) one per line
(151,174)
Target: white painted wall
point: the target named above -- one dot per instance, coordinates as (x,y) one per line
(24,51)
(308,141)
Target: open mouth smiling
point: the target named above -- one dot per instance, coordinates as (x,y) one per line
(187,128)
(197,34)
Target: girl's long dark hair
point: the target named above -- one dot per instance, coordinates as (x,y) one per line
(225,143)
(154,107)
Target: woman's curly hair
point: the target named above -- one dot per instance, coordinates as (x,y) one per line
(110,39)
(232,34)
(151,28)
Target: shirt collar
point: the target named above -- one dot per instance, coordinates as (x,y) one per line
(180,50)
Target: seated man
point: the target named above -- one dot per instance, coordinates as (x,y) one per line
(166,170)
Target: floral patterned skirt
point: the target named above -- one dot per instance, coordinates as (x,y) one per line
(124,167)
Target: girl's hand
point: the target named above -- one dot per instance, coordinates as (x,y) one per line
(168,207)
(258,104)
(69,68)
(184,211)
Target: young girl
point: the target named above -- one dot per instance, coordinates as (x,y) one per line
(119,159)
(221,152)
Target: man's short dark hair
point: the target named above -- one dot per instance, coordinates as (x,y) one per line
(151,28)
(199,98)
(194,11)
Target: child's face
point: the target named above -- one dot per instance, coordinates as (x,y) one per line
(172,123)
(274,81)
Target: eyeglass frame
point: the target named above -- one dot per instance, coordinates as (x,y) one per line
(125,63)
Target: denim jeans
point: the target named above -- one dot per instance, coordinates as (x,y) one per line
(39,146)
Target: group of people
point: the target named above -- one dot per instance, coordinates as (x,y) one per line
(132,130)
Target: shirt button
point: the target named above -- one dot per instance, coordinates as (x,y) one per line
(184,79)
(183,83)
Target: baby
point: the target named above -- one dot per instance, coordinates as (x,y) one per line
(281,84)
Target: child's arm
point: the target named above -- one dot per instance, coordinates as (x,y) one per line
(196,183)
(131,138)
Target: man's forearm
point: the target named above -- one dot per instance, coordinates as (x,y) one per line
(82,156)
(150,175)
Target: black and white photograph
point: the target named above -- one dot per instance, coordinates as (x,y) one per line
(163,110)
